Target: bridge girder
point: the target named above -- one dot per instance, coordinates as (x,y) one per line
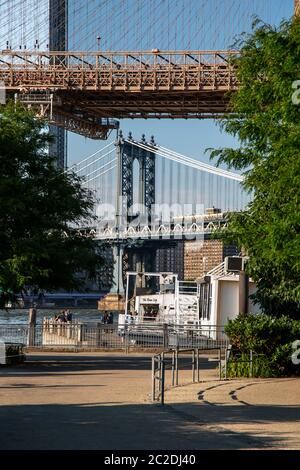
(98,85)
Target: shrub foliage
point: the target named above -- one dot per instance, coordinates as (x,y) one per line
(270,338)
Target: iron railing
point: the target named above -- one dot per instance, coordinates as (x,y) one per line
(80,336)
(170,359)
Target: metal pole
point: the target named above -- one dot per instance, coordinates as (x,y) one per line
(162,396)
(176,367)
(153,378)
(193,365)
(32,327)
(165,335)
(173,368)
(225,369)
(126,295)
(98,335)
(198,372)
(126,339)
(161,372)
(220,364)
(251,363)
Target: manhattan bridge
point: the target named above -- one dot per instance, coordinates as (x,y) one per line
(86,65)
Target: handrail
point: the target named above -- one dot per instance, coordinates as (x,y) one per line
(159,367)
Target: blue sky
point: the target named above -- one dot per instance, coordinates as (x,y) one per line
(190,137)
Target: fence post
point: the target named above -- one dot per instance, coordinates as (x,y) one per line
(32,326)
(197,365)
(162,394)
(220,364)
(225,368)
(153,378)
(98,335)
(251,363)
(176,366)
(79,333)
(173,368)
(165,336)
(126,339)
(193,365)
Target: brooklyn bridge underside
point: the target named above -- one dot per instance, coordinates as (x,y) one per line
(84,92)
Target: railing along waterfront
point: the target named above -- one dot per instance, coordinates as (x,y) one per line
(87,336)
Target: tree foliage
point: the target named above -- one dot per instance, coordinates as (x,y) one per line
(271,339)
(267,123)
(39,206)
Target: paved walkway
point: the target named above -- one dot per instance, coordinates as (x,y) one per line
(101,401)
(267,410)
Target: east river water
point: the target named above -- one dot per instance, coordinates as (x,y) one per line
(20,316)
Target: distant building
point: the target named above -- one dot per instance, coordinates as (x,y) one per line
(58,41)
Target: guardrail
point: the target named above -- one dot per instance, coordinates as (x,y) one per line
(161,362)
(85,336)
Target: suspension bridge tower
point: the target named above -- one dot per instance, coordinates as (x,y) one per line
(131,210)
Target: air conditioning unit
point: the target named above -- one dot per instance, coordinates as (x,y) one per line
(234,264)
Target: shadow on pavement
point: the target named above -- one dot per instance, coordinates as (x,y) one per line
(66,363)
(105,427)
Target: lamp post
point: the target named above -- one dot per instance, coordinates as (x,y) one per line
(98,42)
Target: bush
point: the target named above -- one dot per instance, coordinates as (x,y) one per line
(270,339)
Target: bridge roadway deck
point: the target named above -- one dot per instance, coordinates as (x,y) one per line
(89,86)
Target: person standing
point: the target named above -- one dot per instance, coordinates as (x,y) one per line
(110,318)
(105,318)
(68,316)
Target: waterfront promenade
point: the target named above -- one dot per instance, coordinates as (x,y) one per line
(101,401)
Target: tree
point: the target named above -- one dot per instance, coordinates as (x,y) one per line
(40,207)
(266,119)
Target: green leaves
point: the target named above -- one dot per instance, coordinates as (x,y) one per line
(38,205)
(267,124)
(269,338)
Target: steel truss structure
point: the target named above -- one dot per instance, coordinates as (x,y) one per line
(101,85)
(162,231)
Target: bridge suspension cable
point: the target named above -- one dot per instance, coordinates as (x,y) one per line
(94,161)
(179,158)
(98,169)
(76,165)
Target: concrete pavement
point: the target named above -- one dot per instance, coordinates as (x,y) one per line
(101,401)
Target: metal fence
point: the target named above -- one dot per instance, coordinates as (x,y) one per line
(169,360)
(80,336)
